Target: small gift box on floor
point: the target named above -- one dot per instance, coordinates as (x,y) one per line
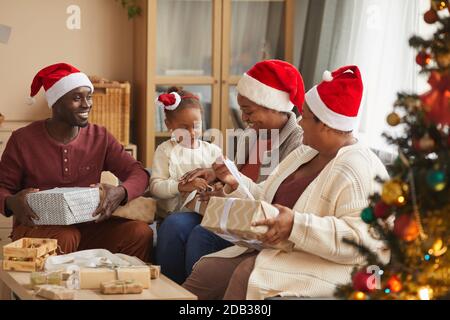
(232,219)
(28,254)
(64,206)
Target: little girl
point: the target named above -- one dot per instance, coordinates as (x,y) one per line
(184,152)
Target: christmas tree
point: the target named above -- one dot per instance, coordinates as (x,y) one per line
(412,212)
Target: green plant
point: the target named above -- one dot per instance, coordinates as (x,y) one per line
(132,7)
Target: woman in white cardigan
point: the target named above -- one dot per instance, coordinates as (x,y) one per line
(322,188)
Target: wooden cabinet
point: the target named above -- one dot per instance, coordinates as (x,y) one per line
(204,46)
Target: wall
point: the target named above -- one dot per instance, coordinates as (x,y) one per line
(103,46)
(301,11)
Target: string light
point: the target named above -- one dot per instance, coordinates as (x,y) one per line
(442,5)
(425,293)
(359,295)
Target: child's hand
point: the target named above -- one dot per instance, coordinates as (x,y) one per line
(205,173)
(198,184)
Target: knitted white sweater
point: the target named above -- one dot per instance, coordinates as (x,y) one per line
(327,211)
(170,162)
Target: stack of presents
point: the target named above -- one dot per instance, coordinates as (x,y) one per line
(59,277)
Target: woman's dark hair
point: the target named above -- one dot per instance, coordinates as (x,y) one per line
(188,100)
(317,120)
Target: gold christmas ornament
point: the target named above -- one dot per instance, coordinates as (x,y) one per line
(438,248)
(393,119)
(431,16)
(394,193)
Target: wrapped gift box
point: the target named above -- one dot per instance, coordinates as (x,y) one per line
(40,278)
(120,287)
(232,219)
(92,278)
(155,271)
(54,292)
(191,201)
(64,206)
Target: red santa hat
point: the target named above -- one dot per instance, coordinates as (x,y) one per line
(336,100)
(273,84)
(57,80)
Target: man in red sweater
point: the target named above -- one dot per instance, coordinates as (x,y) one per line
(67,151)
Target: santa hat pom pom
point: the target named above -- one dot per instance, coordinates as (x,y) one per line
(327,76)
(30,101)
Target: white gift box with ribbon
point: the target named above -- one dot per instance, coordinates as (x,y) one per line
(232,219)
(89,268)
(64,206)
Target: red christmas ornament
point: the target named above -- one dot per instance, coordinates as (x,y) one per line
(381,210)
(361,281)
(437,101)
(423,58)
(406,227)
(430,16)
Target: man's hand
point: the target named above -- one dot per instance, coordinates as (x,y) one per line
(112,198)
(198,184)
(280,228)
(21,210)
(204,173)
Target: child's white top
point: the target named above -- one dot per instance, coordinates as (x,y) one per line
(170,162)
